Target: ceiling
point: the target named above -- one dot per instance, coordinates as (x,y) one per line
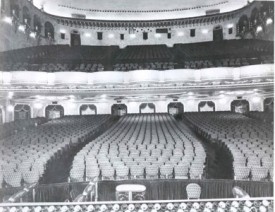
(136,10)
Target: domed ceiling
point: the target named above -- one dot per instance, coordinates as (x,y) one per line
(136,9)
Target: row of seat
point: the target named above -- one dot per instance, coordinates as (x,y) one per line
(52,67)
(11,128)
(145,52)
(144,66)
(24,156)
(264,116)
(141,146)
(225,49)
(235,62)
(249,141)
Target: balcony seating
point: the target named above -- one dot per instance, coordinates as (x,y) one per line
(146,52)
(24,155)
(228,53)
(53,67)
(141,146)
(249,141)
(226,62)
(144,66)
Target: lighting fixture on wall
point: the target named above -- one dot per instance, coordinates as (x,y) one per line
(269,21)
(132,36)
(10,108)
(88,35)
(180,34)
(157,35)
(8,20)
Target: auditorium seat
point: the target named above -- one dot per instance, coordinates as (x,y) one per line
(141,146)
(259,173)
(181,171)
(137,171)
(193,191)
(122,172)
(264,116)
(241,173)
(10,128)
(249,141)
(26,154)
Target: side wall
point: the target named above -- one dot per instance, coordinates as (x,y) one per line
(12,38)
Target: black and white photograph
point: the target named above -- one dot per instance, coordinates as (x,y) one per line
(136,106)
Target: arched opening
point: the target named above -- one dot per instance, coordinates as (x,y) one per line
(22,112)
(147,108)
(269,105)
(49,30)
(255,18)
(218,33)
(14,8)
(175,108)
(243,25)
(26,16)
(37,24)
(206,106)
(88,110)
(119,109)
(240,106)
(54,111)
(75,38)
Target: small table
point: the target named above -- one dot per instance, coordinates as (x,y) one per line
(130,188)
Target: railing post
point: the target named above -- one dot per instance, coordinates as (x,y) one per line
(33,195)
(96,191)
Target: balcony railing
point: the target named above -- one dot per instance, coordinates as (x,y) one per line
(206,205)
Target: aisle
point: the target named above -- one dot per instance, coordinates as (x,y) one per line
(218,161)
(58,170)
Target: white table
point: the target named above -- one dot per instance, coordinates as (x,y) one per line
(130,188)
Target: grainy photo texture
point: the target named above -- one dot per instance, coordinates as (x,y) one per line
(136,106)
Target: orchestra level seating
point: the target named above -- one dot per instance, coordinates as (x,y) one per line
(250,141)
(141,146)
(24,155)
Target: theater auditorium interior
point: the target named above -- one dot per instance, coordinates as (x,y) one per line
(137,106)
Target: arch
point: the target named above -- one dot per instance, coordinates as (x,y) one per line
(175,108)
(119,109)
(269,104)
(54,111)
(37,24)
(26,16)
(205,106)
(22,112)
(254,18)
(267,10)
(88,109)
(147,108)
(14,8)
(240,106)
(49,30)
(75,38)
(218,33)
(243,25)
